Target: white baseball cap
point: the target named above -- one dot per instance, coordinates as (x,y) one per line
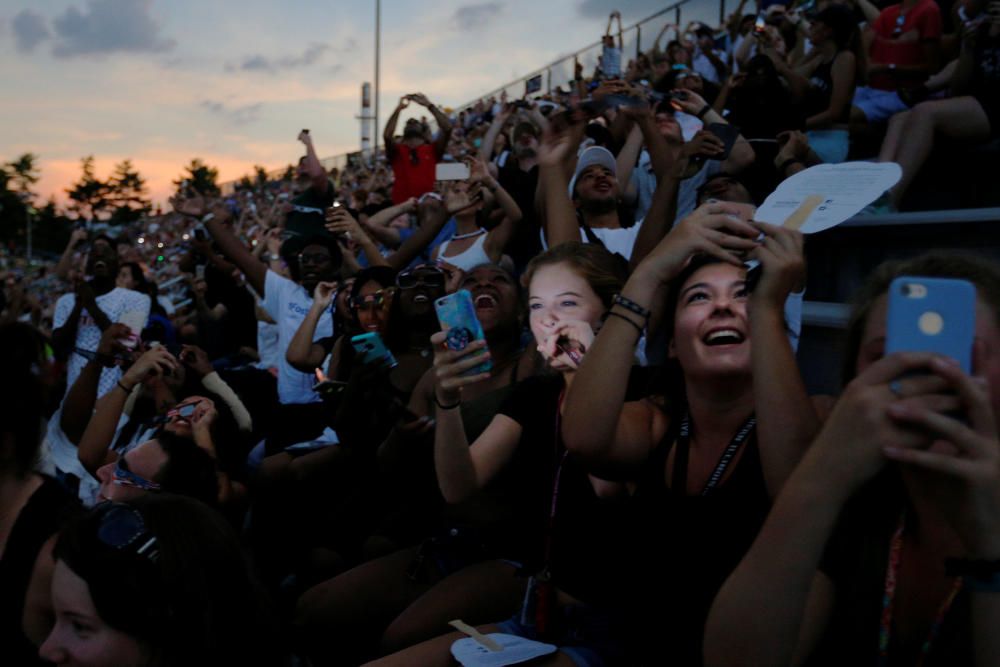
(594,155)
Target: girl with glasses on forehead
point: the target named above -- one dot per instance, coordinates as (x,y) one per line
(160,580)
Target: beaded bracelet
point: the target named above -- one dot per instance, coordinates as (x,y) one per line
(612,313)
(629,304)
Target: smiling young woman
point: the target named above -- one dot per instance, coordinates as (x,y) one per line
(713,444)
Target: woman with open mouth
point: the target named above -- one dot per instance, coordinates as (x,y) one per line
(567,516)
(712,444)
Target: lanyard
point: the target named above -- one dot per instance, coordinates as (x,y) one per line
(679,484)
(891,581)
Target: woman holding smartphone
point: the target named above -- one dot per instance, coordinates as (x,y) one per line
(884,545)
(714,442)
(567,518)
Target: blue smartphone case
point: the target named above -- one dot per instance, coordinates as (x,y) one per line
(457,315)
(372,350)
(932,315)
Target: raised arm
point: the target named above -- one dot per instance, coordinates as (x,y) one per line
(302,353)
(490,138)
(595,424)
(341,223)
(775,604)
(786,419)
(389,133)
(433,215)
(559,220)
(78,406)
(232,248)
(317,174)
(65,264)
(93,450)
(463,469)
(742,155)
(497,238)
(443,123)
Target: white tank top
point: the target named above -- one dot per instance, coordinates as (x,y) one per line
(472,257)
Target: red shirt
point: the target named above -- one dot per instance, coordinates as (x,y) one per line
(412,180)
(924,18)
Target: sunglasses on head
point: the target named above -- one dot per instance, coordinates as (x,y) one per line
(427,275)
(122,528)
(122,476)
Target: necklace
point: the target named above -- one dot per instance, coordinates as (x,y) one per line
(459,237)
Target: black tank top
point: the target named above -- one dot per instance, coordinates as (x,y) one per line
(688,546)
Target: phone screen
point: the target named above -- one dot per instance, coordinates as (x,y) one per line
(451,171)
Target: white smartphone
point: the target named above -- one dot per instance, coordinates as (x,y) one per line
(451,171)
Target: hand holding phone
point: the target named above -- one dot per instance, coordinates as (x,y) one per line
(935,315)
(457,315)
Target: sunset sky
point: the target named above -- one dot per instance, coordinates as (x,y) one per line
(233,82)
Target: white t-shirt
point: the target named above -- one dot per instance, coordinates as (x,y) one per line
(115,304)
(287,303)
(617,240)
(687,194)
(701,64)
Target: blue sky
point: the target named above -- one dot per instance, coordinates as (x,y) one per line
(233,82)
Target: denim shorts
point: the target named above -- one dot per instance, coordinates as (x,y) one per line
(878,105)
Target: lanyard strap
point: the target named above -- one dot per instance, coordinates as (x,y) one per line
(684,444)
(889,598)
(560,461)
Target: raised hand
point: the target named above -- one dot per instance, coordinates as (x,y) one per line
(197,360)
(324,293)
(861,433)
(703,144)
(567,343)
(713,229)
(111,348)
(156,362)
(420,99)
(195,206)
(688,101)
(783,265)
(342,223)
(964,454)
(555,146)
(450,364)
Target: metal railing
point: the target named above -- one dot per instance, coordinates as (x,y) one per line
(561,69)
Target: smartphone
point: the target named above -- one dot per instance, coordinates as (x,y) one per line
(759,24)
(371,350)
(932,315)
(134,320)
(451,171)
(727,134)
(457,315)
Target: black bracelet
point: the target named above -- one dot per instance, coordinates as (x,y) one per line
(629,304)
(787,163)
(124,388)
(704,110)
(612,313)
(446,407)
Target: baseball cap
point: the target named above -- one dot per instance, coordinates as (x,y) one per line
(593,156)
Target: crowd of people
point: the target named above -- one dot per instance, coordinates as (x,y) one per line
(237,432)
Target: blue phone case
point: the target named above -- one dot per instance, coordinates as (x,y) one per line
(932,315)
(372,350)
(457,316)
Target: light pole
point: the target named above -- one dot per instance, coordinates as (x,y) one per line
(378,54)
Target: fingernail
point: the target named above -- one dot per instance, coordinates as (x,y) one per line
(898,410)
(891,451)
